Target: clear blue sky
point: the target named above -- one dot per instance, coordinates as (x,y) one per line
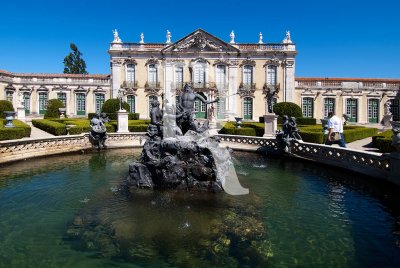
(334,38)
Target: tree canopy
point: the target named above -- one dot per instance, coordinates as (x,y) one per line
(73,63)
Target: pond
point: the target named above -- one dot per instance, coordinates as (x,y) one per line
(71,211)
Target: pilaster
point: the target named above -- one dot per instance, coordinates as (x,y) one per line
(232,109)
(289,84)
(116,77)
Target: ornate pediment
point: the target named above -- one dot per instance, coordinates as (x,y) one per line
(273,61)
(200,40)
(152,60)
(248,61)
(130,61)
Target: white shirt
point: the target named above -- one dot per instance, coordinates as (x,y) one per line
(336,124)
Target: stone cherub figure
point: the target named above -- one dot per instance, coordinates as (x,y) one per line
(156,116)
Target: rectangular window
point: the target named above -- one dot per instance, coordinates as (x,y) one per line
(42,102)
(63,98)
(248,108)
(27,102)
(329,106)
(130,73)
(80,104)
(221,108)
(178,77)
(153,79)
(131,101)
(99,102)
(351,109)
(308,107)
(247,76)
(199,76)
(395,109)
(221,77)
(373,107)
(9,96)
(271,75)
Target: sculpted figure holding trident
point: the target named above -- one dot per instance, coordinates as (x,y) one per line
(186,106)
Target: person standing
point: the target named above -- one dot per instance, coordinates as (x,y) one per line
(335,128)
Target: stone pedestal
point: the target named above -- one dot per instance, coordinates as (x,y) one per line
(271,125)
(21,113)
(122,120)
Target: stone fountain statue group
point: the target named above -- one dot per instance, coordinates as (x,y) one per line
(180,154)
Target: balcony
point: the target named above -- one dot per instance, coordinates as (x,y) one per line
(177,85)
(130,84)
(203,85)
(245,86)
(152,85)
(271,89)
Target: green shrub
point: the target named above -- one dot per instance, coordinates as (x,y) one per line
(359,133)
(52,108)
(113,116)
(383,141)
(5,105)
(79,126)
(302,121)
(288,108)
(50,126)
(20,130)
(111,106)
(137,127)
(245,131)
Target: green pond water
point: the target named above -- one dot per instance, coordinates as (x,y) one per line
(297,214)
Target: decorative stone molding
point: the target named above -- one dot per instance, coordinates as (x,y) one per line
(329,93)
(130,61)
(273,61)
(10,87)
(271,89)
(42,88)
(152,60)
(308,92)
(248,61)
(221,62)
(61,88)
(117,62)
(201,60)
(246,92)
(352,92)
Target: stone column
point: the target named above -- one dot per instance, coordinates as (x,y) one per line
(116,78)
(122,121)
(21,108)
(233,88)
(288,89)
(169,92)
(271,125)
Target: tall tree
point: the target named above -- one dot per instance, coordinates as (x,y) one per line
(73,63)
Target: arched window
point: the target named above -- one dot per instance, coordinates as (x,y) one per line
(329,106)
(153,77)
(130,73)
(131,101)
(248,108)
(247,76)
(271,75)
(308,107)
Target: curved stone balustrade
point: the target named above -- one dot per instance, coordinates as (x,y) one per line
(15,150)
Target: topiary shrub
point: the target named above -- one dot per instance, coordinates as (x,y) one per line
(288,108)
(111,106)
(52,108)
(51,127)
(5,105)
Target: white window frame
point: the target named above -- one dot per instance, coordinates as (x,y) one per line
(126,72)
(251,75)
(268,73)
(148,74)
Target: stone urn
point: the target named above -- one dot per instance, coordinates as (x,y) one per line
(62,112)
(9,118)
(396,135)
(238,122)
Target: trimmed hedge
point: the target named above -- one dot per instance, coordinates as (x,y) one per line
(302,121)
(5,105)
(314,134)
(21,130)
(247,129)
(383,141)
(113,116)
(137,127)
(111,106)
(288,108)
(50,126)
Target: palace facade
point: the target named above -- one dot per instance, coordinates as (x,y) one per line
(247,78)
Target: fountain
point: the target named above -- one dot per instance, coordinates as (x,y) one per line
(180,154)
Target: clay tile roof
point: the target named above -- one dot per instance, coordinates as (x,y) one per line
(47,75)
